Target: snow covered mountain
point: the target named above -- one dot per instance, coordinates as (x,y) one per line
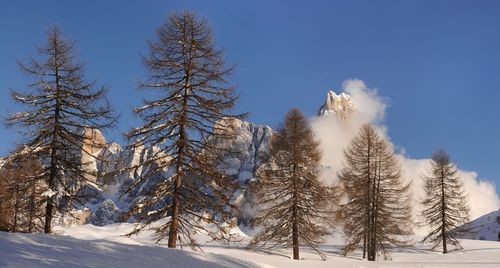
(247,150)
(486,227)
(110,198)
(340,105)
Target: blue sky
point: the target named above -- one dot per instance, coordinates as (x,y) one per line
(436,62)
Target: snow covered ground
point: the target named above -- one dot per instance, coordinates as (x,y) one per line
(92,246)
(486,227)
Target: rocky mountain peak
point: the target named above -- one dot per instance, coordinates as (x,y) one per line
(341,105)
(92,145)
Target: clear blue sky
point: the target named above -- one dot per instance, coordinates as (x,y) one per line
(437,62)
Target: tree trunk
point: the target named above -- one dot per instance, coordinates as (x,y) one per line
(174,224)
(371,253)
(364,242)
(295,234)
(378,177)
(49,209)
(295,227)
(443,214)
(371,201)
(32,208)
(16,207)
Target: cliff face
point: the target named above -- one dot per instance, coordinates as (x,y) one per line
(114,169)
(341,105)
(246,151)
(92,145)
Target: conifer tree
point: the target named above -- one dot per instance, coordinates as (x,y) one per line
(293,202)
(445,207)
(190,113)
(59,105)
(378,211)
(6,201)
(21,198)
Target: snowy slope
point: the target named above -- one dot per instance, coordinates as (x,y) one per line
(486,227)
(92,246)
(39,250)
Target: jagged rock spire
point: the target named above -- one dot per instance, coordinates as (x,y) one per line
(340,105)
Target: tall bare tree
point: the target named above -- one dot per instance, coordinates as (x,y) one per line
(293,202)
(60,104)
(445,205)
(378,212)
(191,111)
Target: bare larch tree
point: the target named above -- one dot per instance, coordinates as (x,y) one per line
(445,206)
(293,203)
(378,212)
(7,199)
(191,111)
(22,203)
(60,104)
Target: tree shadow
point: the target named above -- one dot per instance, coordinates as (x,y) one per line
(40,250)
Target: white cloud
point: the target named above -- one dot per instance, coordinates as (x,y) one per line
(335,134)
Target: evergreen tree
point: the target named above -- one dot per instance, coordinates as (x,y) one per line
(293,203)
(378,211)
(190,113)
(60,104)
(445,204)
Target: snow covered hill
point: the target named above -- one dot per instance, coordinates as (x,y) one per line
(486,227)
(93,246)
(39,250)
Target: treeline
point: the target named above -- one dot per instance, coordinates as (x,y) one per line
(21,196)
(189,119)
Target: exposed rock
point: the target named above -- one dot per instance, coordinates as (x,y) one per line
(76,217)
(113,169)
(92,145)
(90,194)
(106,213)
(247,150)
(340,105)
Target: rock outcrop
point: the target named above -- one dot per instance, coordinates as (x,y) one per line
(92,144)
(340,105)
(114,169)
(106,213)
